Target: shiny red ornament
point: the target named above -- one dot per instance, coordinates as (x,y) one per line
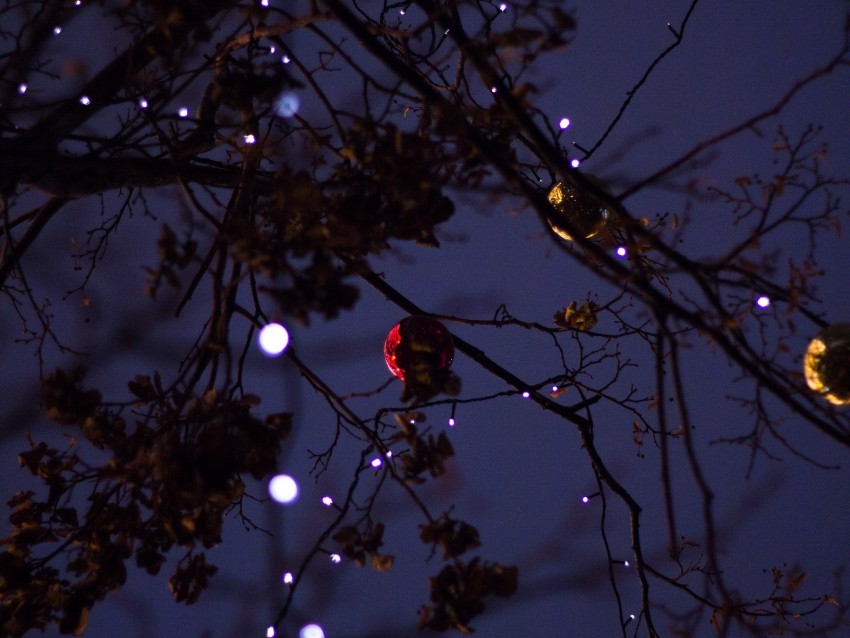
(419,345)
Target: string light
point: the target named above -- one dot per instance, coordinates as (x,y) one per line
(287,103)
(376,462)
(503,7)
(22,88)
(250,139)
(336,559)
(311,631)
(85,100)
(283,489)
(622,252)
(273,339)
(526,394)
(270,632)
(575,163)
(143,103)
(288,578)
(183,112)
(451,422)
(286,59)
(327,501)
(57,30)
(493,89)
(264,3)
(586,499)
(564,123)
(763,301)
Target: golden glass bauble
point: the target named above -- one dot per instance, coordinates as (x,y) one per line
(581,209)
(827,364)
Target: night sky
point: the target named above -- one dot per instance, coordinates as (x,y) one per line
(519,473)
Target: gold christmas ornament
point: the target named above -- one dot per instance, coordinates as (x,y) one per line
(581,209)
(827,364)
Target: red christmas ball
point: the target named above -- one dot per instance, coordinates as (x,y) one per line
(417,345)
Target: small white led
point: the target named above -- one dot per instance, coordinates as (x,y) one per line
(376,462)
(183,112)
(327,501)
(143,103)
(311,631)
(763,301)
(451,422)
(622,252)
(286,59)
(57,30)
(574,163)
(22,88)
(250,139)
(270,632)
(85,100)
(564,123)
(288,578)
(526,394)
(336,558)
(503,7)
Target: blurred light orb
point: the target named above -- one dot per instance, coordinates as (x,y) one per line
(283,489)
(287,103)
(564,123)
(622,252)
(270,632)
(311,631)
(85,100)
(581,209)
(183,112)
(763,301)
(575,163)
(273,339)
(827,364)
(418,344)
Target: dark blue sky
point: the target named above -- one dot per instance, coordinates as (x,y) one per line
(519,472)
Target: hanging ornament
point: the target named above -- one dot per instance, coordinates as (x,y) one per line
(585,212)
(419,347)
(827,364)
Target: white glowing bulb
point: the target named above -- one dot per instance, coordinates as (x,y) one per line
(143,103)
(270,632)
(22,88)
(626,563)
(446,32)
(77,3)
(376,462)
(585,499)
(503,7)
(288,578)
(336,558)
(621,251)
(564,123)
(264,3)
(250,139)
(283,489)
(273,49)
(85,100)
(327,501)
(273,339)
(575,163)
(763,301)
(311,631)
(57,30)
(451,422)
(287,103)
(285,59)
(493,89)
(183,112)
(526,394)
(554,388)
(389,454)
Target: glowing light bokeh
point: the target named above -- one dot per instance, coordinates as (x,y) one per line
(763,301)
(311,631)
(575,163)
(526,394)
(287,103)
(826,364)
(273,339)
(270,632)
(57,30)
(250,139)
(143,103)
(85,100)
(579,208)
(336,558)
(183,111)
(283,489)
(622,252)
(327,501)
(376,463)
(564,123)
(418,345)
(22,88)
(503,7)
(288,578)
